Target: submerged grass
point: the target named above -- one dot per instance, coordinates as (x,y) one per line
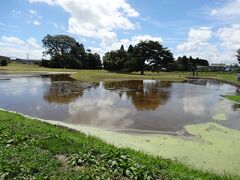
(33,149)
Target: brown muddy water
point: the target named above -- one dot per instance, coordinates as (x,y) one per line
(131,106)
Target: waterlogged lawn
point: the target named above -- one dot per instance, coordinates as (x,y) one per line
(33,149)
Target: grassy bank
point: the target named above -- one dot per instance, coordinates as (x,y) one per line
(15,67)
(91,75)
(30,148)
(235,98)
(225,77)
(102,75)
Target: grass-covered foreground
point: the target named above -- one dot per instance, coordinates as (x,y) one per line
(30,148)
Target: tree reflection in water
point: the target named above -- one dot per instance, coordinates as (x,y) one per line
(64,89)
(146,95)
(236,107)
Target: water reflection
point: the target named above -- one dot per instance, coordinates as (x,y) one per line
(63,89)
(105,111)
(145,105)
(145,95)
(236,107)
(63,92)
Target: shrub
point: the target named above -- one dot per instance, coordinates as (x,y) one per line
(4,61)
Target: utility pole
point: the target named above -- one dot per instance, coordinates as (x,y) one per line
(27,56)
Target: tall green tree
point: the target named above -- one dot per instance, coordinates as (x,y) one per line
(58,46)
(114,60)
(130,49)
(94,61)
(182,63)
(152,55)
(78,51)
(131,64)
(189,63)
(238,55)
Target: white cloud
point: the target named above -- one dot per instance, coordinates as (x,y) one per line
(55,25)
(16,12)
(214,12)
(125,42)
(11,40)
(197,39)
(202,34)
(97,19)
(49,2)
(230,36)
(97,50)
(32,43)
(32,11)
(15,47)
(231,8)
(36,23)
(134,40)
(198,44)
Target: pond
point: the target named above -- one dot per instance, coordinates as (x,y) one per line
(140,106)
(161,118)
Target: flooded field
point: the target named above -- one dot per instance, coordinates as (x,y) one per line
(145,105)
(157,117)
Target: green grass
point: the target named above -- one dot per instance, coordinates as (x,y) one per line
(102,75)
(226,77)
(235,98)
(33,149)
(16,67)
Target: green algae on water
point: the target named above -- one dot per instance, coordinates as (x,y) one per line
(220,117)
(210,146)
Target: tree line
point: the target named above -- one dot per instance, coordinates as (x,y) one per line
(146,55)
(149,55)
(66,52)
(189,64)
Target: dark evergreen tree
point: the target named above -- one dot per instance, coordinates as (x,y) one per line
(94,61)
(130,49)
(238,55)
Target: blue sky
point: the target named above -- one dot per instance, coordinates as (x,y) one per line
(208,29)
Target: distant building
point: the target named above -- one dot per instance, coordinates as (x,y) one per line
(217,67)
(231,68)
(27,61)
(202,68)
